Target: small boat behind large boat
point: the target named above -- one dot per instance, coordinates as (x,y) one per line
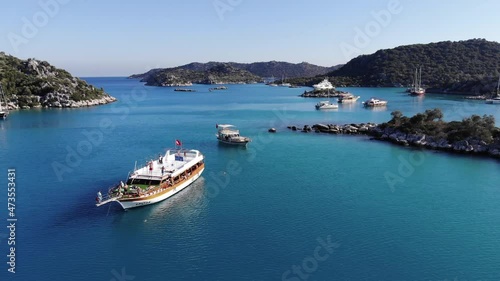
(326,105)
(229,134)
(374,102)
(348,98)
(157,180)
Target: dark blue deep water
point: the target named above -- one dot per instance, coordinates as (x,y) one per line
(292,206)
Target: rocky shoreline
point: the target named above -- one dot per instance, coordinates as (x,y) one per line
(63,102)
(466,146)
(322,94)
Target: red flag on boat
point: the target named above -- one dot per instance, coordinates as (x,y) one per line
(178,142)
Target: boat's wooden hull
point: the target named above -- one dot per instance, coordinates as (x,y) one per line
(163,194)
(417,93)
(240,143)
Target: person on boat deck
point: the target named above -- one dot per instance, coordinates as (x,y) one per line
(99,197)
(160,160)
(162,170)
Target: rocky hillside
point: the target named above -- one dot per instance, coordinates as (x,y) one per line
(262,69)
(218,74)
(33,83)
(470,66)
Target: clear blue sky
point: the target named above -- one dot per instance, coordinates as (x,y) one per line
(118,38)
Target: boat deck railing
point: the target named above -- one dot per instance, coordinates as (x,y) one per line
(107,198)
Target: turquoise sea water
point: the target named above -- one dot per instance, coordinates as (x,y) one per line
(261,213)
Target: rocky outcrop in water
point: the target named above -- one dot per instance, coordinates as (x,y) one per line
(469,145)
(377,132)
(323,94)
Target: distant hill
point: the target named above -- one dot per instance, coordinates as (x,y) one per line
(34,83)
(218,74)
(260,69)
(470,66)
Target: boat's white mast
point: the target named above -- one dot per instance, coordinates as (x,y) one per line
(3,99)
(420,78)
(415,79)
(498,87)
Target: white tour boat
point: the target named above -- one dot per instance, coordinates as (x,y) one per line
(348,98)
(157,180)
(230,135)
(326,105)
(374,102)
(324,85)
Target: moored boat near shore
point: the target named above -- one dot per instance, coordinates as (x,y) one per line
(326,105)
(374,102)
(348,98)
(157,180)
(495,100)
(228,134)
(417,89)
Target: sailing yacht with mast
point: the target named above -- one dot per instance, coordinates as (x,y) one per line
(417,89)
(283,83)
(495,100)
(4,109)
